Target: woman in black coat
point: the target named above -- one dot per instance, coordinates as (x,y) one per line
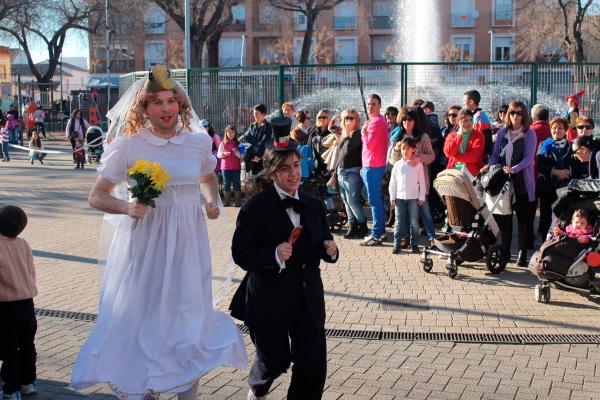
(281,298)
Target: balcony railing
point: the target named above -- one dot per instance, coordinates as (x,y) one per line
(503,19)
(344,22)
(462,21)
(381,22)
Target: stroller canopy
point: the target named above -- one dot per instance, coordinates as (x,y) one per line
(455,183)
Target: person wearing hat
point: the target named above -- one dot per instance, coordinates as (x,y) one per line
(281,236)
(586,163)
(157,331)
(572,113)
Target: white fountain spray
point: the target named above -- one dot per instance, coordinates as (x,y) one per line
(418,31)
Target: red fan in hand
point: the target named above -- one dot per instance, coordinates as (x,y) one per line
(294,235)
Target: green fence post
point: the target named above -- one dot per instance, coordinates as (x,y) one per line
(534,84)
(281,88)
(403,84)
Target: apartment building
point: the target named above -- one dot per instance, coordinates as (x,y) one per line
(362,31)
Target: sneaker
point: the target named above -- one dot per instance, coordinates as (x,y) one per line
(15,396)
(396,250)
(383,238)
(404,243)
(252,396)
(371,241)
(414,249)
(27,390)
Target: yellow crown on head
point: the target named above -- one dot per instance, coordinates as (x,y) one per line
(159,79)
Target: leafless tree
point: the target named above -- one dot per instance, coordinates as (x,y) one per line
(311,10)
(283,49)
(208,17)
(9,7)
(48,22)
(544,24)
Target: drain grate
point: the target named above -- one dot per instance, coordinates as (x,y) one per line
(397,336)
(79,316)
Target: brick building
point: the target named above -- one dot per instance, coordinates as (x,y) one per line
(361,31)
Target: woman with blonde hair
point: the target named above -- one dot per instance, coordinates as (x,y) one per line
(157,330)
(349,163)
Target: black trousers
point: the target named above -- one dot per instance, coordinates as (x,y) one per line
(525,211)
(304,345)
(41,129)
(17,348)
(547,198)
(73,147)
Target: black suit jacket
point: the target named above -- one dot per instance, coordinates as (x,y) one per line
(266,297)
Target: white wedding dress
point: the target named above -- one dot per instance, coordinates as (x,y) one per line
(157,330)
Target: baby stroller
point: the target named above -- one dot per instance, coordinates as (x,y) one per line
(471,229)
(315,185)
(563,260)
(93,139)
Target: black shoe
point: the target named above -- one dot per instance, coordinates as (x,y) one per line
(415,250)
(396,250)
(522,258)
(351,231)
(361,230)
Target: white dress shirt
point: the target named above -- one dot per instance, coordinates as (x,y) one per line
(294,217)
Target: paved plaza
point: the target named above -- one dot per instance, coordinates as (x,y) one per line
(369,289)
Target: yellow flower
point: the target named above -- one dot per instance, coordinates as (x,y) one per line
(140,167)
(159,179)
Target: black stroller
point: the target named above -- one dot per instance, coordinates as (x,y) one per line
(315,185)
(563,260)
(94,139)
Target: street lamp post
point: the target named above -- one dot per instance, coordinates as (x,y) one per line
(491,32)
(61,92)
(187,40)
(107,28)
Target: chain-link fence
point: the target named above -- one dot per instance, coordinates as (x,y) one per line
(226,95)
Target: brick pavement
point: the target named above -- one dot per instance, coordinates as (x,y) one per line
(63,232)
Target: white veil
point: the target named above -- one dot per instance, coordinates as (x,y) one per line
(116,229)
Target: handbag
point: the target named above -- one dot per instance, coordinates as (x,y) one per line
(494,180)
(333,183)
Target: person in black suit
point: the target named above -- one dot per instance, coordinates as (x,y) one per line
(281,298)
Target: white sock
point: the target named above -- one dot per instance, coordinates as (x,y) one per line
(189,394)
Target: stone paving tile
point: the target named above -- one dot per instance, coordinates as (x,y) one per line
(64,231)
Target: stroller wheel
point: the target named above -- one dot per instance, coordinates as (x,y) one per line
(542,293)
(495,260)
(452,270)
(427,264)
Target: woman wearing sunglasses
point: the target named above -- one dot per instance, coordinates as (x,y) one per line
(515,149)
(585,127)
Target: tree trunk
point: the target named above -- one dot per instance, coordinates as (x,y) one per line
(308,34)
(196,53)
(212,48)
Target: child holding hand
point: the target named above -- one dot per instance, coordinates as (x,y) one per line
(407,193)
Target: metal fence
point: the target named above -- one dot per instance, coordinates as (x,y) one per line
(226,95)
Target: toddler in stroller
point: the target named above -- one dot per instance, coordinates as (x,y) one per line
(571,256)
(471,229)
(316,185)
(94,139)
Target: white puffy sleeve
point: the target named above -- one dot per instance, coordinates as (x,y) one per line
(115,160)
(208,161)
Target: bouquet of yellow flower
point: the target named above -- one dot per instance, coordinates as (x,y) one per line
(151,179)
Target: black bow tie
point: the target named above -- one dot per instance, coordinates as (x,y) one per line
(296,204)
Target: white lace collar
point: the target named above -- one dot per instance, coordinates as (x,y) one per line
(179,138)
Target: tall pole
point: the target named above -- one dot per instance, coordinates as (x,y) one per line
(107,28)
(491,32)
(61,92)
(187,41)
(242,52)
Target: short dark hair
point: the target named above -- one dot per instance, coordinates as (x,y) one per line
(428,104)
(12,221)
(463,112)
(580,213)
(376,97)
(392,110)
(260,108)
(473,95)
(409,141)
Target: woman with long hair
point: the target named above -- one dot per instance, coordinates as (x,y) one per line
(348,172)
(412,124)
(76,128)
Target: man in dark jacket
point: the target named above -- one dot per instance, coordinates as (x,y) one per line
(258,134)
(280,239)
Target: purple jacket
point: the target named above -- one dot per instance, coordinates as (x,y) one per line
(527,163)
